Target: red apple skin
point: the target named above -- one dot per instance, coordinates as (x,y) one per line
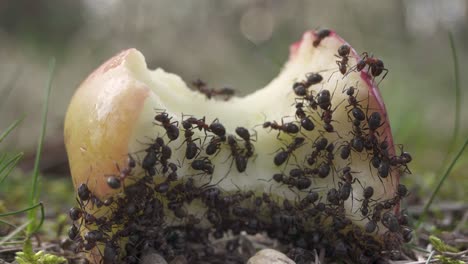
(98,147)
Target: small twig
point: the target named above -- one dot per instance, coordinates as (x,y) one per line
(455,255)
(317,261)
(462,222)
(430,257)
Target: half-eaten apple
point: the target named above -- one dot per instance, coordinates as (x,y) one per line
(309,159)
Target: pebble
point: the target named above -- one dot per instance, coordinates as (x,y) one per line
(151,257)
(270,256)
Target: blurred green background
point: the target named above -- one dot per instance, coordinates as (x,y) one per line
(213,40)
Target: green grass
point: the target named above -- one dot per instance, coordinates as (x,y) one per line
(7,164)
(33,199)
(440,183)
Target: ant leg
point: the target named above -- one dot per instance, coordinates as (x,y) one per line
(386,72)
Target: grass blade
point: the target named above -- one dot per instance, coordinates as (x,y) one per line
(34,193)
(457,91)
(9,165)
(10,128)
(456,126)
(441,181)
(4,94)
(15,232)
(22,210)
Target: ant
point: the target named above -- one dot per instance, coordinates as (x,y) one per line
(319,145)
(245,135)
(238,157)
(343,53)
(324,102)
(333,196)
(401,192)
(192,149)
(151,158)
(171,130)
(356,110)
(384,169)
(301,88)
(324,99)
(312,79)
(390,221)
(345,187)
(283,155)
(371,226)
(402,160)
(367,194)
(73,232)
(309,199)
(209,93)
(214,145)
(83,192)
(204,165)
(289,128)
(114,181)
(300,183)
(215,127)
(376,66)
(305,121)
(321,34)
(345,151)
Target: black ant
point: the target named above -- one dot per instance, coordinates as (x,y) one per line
(384,169)
(319,145)
(345,187)
(305,121)
(238,157)
(371,226)
(300,88)
(152,155)
(402,160)
(309,199)
(367,195)
(333,196)
(356,110)
(345,151)
(245,135)
(300,183)
(324,99)
(401,192)
(376,66)
(83,192)
(191,150)
(343,53)
(214,145)
(200,85)
(321,34)
(283,155)
(324,102)
(390,221)
(75,213)
(171,130)
(73,232)
(312,79)
(114,181)
(289,128)
(215,127)
(204,165)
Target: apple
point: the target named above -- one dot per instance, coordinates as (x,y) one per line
(321,126)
